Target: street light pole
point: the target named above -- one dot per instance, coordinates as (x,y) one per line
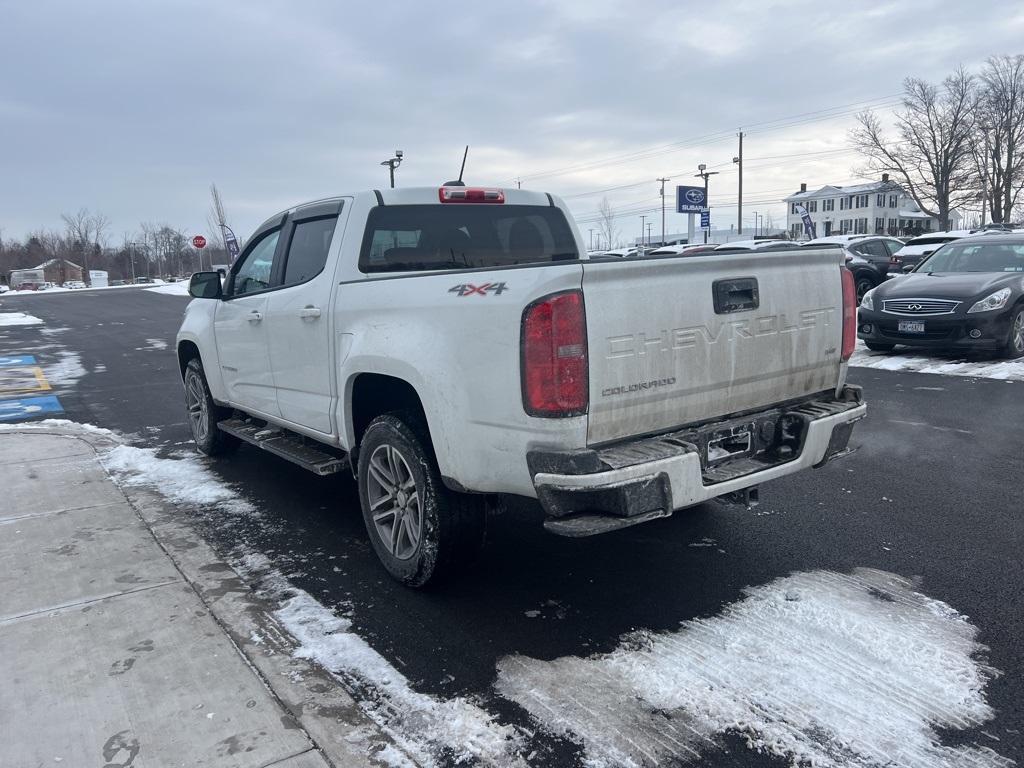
(704,173)
(739,202)
(663,209)
(393,163)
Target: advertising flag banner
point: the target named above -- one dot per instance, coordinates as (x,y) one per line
(806,218)
(230,242)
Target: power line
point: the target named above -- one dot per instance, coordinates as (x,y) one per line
(761,127)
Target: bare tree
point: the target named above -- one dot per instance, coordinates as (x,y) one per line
(999,144)
(932,156)
(86,233)
(606,224)
(216,219)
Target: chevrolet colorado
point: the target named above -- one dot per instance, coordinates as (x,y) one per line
(452,344)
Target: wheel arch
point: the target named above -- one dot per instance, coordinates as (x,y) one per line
(374,394)
(187,350)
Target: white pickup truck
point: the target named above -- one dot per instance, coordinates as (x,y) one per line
(452,344)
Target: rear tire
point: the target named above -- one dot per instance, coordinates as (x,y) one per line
(1015,338)
(874,346)
(420,530)
(203,414)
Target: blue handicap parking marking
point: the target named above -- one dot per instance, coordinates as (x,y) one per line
(18,409)
(7,360)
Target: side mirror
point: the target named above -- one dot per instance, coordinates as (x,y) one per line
(205,285)
(908,267)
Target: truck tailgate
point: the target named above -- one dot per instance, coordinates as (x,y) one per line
(664,352)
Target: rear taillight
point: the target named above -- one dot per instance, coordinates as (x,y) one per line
(849,313)
(554,356)
(470,195)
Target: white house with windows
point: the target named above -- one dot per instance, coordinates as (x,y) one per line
(878,208)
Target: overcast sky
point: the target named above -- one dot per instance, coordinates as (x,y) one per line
(133,108)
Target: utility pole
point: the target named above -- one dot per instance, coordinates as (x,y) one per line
(663,209)
(704,173)
(739,202)
(591,239)
(649,225)
(519,183)
(643,219)
(131,256)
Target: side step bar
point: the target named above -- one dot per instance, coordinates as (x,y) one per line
(285,444)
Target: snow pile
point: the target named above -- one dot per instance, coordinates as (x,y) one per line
(175,289)
(182,481)
(429,729)
(18,318)
(1009,370)
(71,427)
(819,668)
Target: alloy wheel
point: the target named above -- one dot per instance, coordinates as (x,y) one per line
(395,503)
(195,402)
(1017,332)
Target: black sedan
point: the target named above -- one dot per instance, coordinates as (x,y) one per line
(967,295)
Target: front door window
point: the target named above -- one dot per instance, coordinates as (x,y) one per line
(255,271)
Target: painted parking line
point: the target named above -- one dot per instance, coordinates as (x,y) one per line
(16,360)
(17,380)
(23,408)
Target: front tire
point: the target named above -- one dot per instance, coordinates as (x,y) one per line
(419,529)
(1015,338)
(203,413)
(874,346)
(864,284)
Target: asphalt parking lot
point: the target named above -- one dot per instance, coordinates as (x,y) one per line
(933,495)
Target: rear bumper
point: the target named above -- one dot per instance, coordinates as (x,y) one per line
(589,491)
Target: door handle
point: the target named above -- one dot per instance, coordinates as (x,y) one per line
(309,311)
(255,316)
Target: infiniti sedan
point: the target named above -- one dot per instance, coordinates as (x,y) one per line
(967,295)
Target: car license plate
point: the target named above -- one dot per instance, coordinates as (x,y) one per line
(911,326)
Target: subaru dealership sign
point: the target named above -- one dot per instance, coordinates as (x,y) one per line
(690,199)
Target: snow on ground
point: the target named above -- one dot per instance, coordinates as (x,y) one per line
(1008,370)
(175,289)
(184,480)
(61,289)
(66,371)
(18,318)
(153,344)
(820,668)
(428,728)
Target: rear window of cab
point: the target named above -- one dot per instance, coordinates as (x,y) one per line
(403,238)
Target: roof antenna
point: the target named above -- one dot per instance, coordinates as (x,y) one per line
(458,182)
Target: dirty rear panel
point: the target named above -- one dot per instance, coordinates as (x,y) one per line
(676,341)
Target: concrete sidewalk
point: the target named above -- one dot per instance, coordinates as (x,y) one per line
(112,654)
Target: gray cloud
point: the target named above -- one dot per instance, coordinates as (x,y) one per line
(134,108)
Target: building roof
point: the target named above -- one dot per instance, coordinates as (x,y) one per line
(52,262)
(837,190)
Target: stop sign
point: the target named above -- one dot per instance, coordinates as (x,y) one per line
(199,241)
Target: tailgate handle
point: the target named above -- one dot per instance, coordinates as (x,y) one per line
(735,294)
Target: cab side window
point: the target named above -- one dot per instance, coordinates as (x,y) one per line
(254,273)
(307,251)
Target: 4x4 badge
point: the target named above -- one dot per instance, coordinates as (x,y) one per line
(468,289)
